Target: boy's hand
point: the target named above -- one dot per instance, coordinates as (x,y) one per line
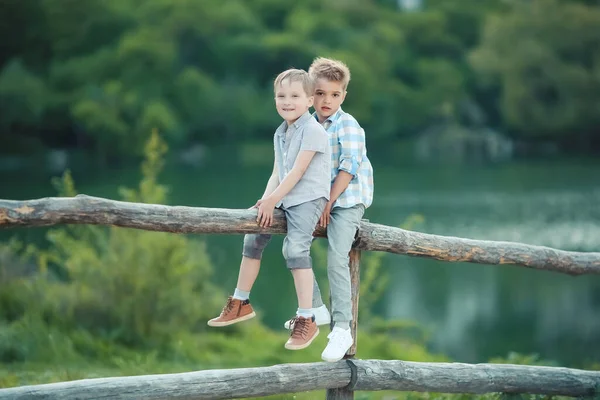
(325,217)
(256,205)
(265,212)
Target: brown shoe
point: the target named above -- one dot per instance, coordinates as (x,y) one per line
(234,311)
(304,331)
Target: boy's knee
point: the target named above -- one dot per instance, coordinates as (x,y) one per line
(297,256)
(254,245)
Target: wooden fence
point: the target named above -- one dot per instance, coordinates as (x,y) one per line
(340,379)
(349,374)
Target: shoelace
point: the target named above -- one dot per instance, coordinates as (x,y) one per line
(299,327)
(228,306)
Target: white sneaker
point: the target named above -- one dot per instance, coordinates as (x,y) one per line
(322,316)
(340,340)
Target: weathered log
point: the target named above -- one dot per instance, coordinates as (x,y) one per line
(376,237)
(210,384)
(178,219)
(83,209)
(354,265)
(474,378)
(355,375)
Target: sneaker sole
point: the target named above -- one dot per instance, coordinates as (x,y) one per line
(301,346)
(332,359)
(217,324)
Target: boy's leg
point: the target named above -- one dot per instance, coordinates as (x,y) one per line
(303,285)
(251,256)
(341,231)
(317,299)
(301,223)
(319,310)
(238,308)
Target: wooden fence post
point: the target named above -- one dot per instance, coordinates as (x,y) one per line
(345,393)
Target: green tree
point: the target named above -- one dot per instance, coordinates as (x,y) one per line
(24,98)
(110,71)
(543,55)
(132,287)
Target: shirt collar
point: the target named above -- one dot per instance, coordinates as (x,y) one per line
(297,124)
(302,120)
(332,118)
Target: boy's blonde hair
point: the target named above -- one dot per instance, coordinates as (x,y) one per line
(296,75)
(331,70)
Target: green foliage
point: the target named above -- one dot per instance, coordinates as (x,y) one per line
(543,56)
(149,190)
(522,359)
(130,287)
(17,264)
(23,98)
(110,71)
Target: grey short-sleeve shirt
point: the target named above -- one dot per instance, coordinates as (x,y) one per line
(304,134)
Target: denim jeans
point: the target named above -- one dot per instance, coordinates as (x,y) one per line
(341,231)
(302,221)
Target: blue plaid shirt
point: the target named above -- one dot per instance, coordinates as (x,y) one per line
(349,153)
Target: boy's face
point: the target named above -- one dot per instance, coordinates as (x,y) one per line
(329,96)
(291,100)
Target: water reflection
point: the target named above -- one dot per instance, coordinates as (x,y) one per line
(474,311)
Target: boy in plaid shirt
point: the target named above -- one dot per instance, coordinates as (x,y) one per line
(351,193)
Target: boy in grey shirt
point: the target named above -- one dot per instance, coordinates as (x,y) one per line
(300,185)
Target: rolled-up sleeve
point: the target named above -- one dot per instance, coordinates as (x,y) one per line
(352,146)
(314,138)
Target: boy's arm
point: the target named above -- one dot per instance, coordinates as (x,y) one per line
(352,143)
(302,162)
(266,205)
(313,141)
(341,182)
(352,147)
(273,182)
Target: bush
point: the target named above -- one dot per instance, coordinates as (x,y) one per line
(133,287)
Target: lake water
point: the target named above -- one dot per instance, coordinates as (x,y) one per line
(471,312)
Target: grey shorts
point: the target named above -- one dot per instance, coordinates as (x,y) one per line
(302,221)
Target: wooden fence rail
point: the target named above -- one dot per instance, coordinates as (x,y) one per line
(375,237)
(340,379)
(357,375)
